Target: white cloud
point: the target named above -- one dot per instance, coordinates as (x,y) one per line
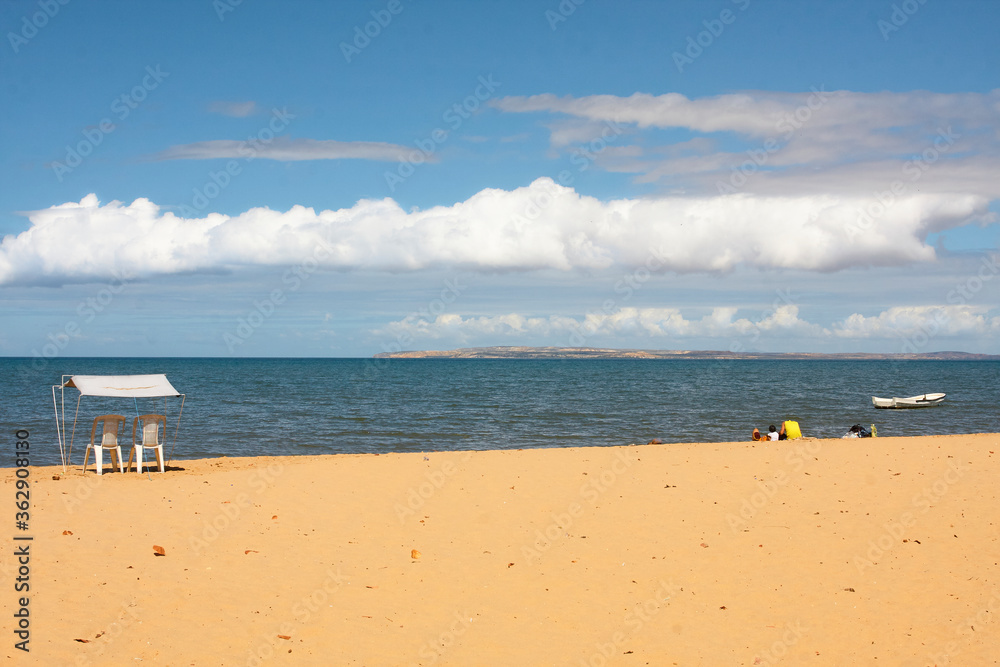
(541,226)
(629,321)
(914,321)
(739,112)
(234,109)
(811,142)
(839,114)
(899,323)
(288,150)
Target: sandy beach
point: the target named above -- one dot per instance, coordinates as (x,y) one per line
(806,552)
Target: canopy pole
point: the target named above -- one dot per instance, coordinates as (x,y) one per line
(69,456)
(55,408)
(62,407)
(176,428)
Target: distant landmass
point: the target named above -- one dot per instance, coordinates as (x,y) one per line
(519,352)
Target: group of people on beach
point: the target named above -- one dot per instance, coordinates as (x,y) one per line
(789,429)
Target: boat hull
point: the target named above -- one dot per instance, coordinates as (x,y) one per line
(922,401)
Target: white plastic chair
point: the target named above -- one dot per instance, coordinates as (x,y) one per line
(150,440)
(112,428)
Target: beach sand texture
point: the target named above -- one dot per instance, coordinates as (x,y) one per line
(809,552)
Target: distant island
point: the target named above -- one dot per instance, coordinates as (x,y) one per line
(519,352)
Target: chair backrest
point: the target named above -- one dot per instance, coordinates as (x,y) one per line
(150,429)
(113,426)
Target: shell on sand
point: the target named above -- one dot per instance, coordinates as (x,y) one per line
(414,554)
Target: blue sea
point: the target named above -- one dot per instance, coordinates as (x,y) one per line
(250,407)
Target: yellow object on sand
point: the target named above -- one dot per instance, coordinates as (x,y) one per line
(792,430)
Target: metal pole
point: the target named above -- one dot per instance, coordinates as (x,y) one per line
(73,436)
(55,408)
(183,398)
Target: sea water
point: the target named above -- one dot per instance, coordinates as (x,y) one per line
(251,407)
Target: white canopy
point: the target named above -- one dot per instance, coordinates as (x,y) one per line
(115,386)
(125,386)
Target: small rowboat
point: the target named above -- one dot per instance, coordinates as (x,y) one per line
(922,401)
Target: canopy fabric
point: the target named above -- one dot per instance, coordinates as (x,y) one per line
(125,386)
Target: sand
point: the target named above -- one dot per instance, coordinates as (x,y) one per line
(808,552)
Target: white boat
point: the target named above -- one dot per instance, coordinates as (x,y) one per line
(922,401)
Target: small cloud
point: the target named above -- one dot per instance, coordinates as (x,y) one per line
(285,149)
(234,109)
(516,138)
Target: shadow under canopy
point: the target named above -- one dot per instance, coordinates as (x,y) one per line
(113,386)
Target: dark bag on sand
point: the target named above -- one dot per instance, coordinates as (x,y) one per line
(861,431)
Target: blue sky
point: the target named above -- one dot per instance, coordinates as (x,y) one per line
(340,179)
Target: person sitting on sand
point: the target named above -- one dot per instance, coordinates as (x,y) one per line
(789,430)
(772,433)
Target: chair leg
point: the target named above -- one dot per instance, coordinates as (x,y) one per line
(140,461)
(159,458)
(118,452)
(99,459)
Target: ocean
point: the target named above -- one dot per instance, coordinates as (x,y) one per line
(251,407)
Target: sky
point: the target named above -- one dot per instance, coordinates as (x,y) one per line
(338,179)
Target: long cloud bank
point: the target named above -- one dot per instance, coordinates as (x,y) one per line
(543,226)
(783,143)
(904,323)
